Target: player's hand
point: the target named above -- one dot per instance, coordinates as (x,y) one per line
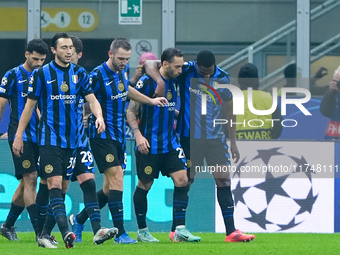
(100,125)
(235,154)
(18,147)
(160,101)
(160,89)
(142,144)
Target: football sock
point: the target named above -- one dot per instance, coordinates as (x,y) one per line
(49,222)
(42,202)
(141,206)
(14,213)
(58,209)
(180,203)
(226,202)
(102,200)
(115,204)
(32,211)
(91,203)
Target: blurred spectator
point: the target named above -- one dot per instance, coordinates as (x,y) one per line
(140,68)
(256,127)
(330,106)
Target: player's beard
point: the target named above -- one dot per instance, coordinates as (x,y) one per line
(63,60)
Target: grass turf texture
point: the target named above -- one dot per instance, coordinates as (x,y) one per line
(212,243)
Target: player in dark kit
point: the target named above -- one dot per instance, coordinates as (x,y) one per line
(158,149)
(110,85)
(14,88)
(59,87)
(199,137)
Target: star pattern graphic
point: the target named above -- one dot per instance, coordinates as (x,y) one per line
(259,219)
(238,193)
(273,186)
(306,204)
(265,155)
(304,166)
(290,225)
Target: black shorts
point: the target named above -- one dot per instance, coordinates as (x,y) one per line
(149,165)
(82,162)
(108,153)
(185,143)
(214,151)
(56,161)
(28,160)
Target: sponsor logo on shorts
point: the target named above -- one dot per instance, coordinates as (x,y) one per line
(109,158)
(26,164)
(148,170)
(189,163)
(48,169)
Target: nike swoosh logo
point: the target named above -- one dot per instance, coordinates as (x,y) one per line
(89,167)
(108,83)
(185,237)
(48,82)
(68,174)
(120,210)
(21,81)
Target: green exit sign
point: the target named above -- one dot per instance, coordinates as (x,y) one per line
(130,12)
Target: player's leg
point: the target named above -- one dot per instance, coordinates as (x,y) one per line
(110,157)
(42,201)
(218,155)
(17,206)
(54,162)
(30,187)
(146,172)
(84,172)
(174,165)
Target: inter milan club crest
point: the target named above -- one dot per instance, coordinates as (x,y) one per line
(64,87)
(75,78)
(121,86)
(169,95)
(148,170)
(109,158)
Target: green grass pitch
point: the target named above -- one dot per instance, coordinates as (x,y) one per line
(212,243)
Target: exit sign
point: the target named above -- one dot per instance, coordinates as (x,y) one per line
(130,12)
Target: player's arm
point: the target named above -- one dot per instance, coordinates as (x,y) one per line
(3,102)
(96,109)
(152,69)
(139,97)
(231,129)
(18,144)
(141,142)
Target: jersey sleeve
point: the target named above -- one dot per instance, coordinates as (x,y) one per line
(143,85)
(86,82)
(35,85)
(7,83)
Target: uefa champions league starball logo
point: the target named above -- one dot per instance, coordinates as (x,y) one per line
(277,200)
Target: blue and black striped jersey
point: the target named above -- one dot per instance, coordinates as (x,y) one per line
(14,87)
(111,90)
(59,92)
(157,123)
(190,84)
